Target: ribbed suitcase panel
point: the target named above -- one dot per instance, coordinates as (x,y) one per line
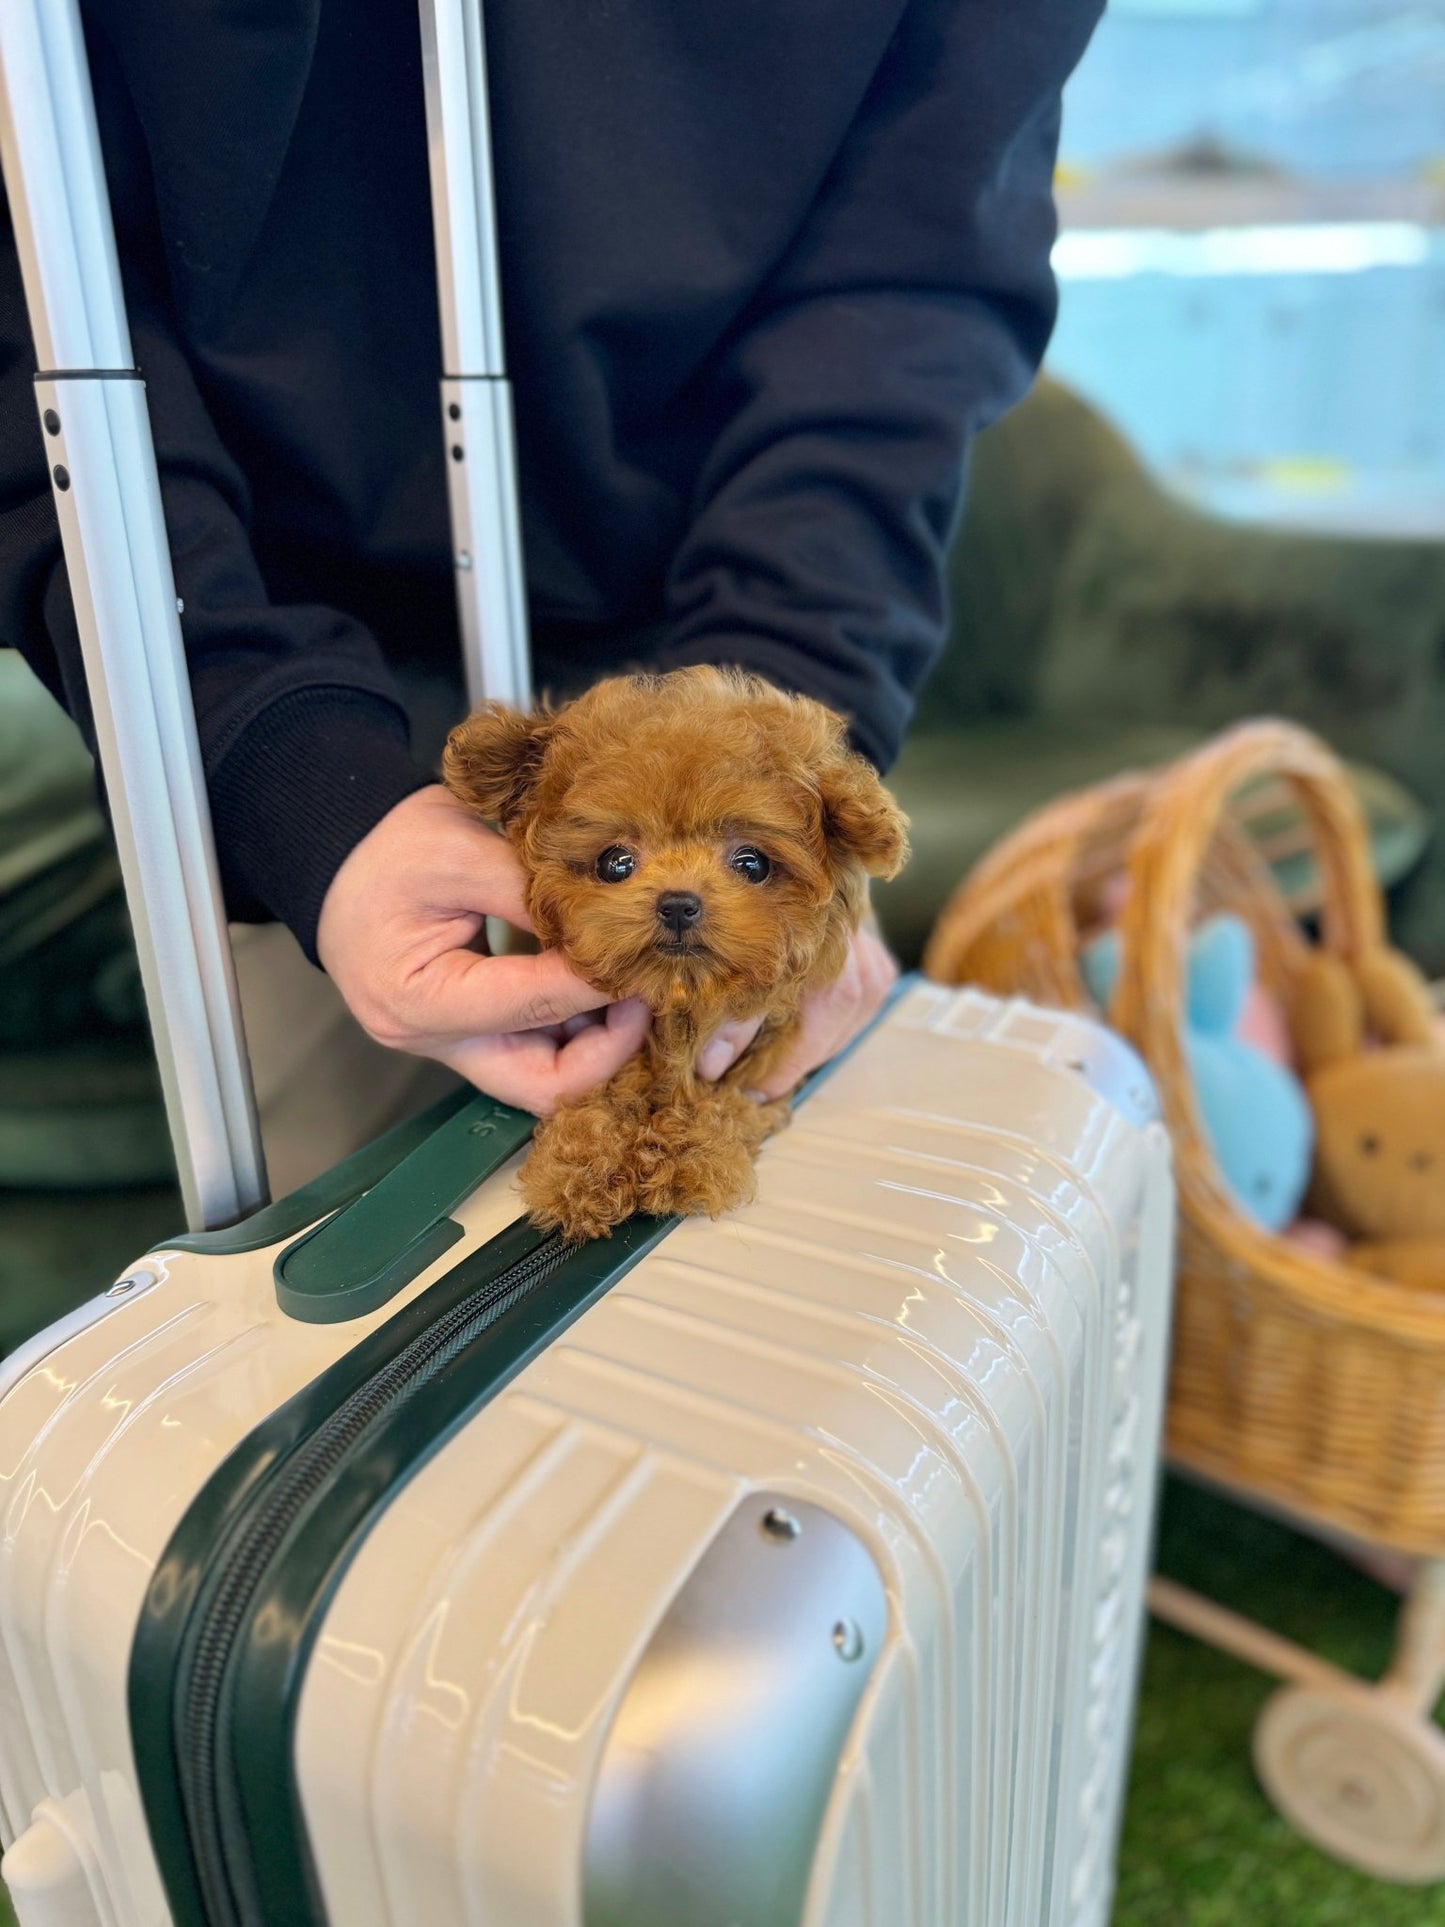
(924,1324)
(102,1446)
(942,1320)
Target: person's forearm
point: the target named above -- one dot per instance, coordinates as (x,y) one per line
(913,307)
(303,739)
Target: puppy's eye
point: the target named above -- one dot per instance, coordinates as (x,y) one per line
(616,864)
(750,863)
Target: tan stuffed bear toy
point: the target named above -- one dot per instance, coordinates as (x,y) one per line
(1379,1111)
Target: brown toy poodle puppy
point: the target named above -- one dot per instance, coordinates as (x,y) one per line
(701,841)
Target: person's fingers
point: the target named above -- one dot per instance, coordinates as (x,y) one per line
(582,1021)
(536,1071)
(821,1032)
(505,897)
(515,1069)
(833,1016)
(470,866)
(880,967)
(460,994)
(600,1051)
(480,876)
(726,1046)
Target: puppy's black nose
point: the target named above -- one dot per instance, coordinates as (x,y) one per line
(679,910)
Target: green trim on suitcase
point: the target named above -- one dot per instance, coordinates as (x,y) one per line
(176,1585)
(321,1543)
(180,1583)
(261,1815)
(270,1674)
(364,1254)
(326,1193)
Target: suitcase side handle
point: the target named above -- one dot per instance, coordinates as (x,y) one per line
(364,1254)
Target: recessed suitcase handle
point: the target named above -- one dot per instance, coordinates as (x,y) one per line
(363,1255)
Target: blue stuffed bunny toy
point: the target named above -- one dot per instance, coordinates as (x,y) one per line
(1254,1111)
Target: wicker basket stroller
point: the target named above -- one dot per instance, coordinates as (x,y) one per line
(1297,1383)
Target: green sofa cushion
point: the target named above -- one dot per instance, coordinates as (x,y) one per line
(83,1115)
(1084,590)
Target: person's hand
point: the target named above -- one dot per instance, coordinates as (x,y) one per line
(831,1018)
(396,934)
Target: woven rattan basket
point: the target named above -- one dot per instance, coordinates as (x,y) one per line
(1311,1386)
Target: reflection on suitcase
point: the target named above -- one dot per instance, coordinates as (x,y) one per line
(785,1568)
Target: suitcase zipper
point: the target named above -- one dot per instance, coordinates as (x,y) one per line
(254,1542)
(237,1601)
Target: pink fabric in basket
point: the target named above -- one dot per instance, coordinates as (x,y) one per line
(1262,1025)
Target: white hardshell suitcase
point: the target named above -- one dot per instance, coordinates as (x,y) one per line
(377,1560)
(799,1578)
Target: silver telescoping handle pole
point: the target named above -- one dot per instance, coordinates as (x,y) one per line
(103,471)
(475,396)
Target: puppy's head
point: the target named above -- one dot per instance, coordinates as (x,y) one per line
(698,839)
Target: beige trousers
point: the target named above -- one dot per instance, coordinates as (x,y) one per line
(323,1088)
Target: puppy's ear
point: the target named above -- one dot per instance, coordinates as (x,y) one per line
(861,821)
(493,759)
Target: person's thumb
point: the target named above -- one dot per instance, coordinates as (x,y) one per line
(462,994)
(598,1051)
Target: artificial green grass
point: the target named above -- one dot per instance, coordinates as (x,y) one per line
(1202,1847)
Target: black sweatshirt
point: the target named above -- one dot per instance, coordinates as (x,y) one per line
(766,266)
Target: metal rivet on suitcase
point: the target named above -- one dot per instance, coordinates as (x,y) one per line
(847,1639)
(129,1283)
(62,475)
(52,422)
(456,451)
(779,1524)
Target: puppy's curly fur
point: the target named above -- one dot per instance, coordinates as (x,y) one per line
(702,841)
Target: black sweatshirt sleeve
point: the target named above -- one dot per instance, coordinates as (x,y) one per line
(303,738)
(913,306)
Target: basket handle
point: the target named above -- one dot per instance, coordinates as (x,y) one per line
(1165,858)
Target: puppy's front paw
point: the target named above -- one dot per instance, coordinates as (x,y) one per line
(579,1178)
(698,1180)
(696,1157)
(598,1161)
